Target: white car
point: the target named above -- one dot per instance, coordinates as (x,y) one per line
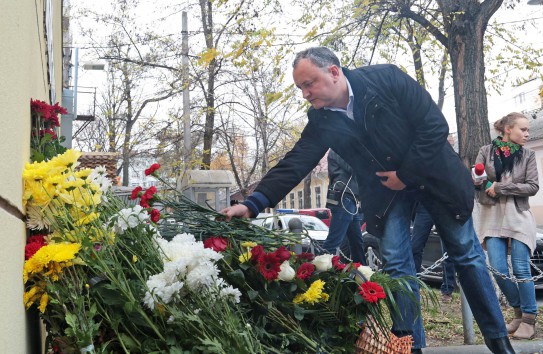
(316,230)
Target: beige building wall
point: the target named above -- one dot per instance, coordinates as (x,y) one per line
(318,180)
(24,70)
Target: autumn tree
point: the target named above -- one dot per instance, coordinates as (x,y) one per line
(126,99)
(458,26)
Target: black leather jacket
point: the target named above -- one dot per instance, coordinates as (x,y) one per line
(396,127)
(340,175)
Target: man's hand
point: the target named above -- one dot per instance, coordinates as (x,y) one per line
(239,211)
(390,180)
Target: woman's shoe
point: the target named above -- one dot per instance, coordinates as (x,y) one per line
(526,329)
(515,322)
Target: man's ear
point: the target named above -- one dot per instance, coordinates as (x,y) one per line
(334,70)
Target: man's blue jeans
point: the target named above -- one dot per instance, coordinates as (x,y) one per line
(518,294)
(464,250)
(421,230)
(345,223)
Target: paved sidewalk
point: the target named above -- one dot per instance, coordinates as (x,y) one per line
(521,347)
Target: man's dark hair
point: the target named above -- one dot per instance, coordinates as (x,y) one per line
(322,57)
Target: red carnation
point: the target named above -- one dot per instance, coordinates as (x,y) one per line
(151,170)
(33,244)
(371,292)
(48,131)
(337,263)
(283,254)
(218,244)
(305,256)
(305,271)
(136,192)
(269,266)
(155,215)
(256,253)
(150,192)
(355,265)
(144,202)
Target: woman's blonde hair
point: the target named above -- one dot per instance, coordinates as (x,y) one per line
(507,121)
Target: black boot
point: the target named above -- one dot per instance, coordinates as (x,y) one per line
(416,351)
(500,345)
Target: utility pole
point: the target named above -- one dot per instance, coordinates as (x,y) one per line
(182,179)
(186,99)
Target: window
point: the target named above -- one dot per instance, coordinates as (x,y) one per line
(318,197)
(284,204)
(520,98)
(292,201)
(300,199)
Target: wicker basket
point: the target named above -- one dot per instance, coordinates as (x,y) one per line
(369,343)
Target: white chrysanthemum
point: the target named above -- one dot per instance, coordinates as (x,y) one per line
(130,218)
(188,267)
(231,293)
(202,275)
(36,218)
(98,176)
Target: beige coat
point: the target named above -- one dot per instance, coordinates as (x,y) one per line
(524,183)
(508,214)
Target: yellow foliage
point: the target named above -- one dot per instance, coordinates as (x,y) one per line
(207,56)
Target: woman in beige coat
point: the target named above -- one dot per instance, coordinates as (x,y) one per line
(505,224)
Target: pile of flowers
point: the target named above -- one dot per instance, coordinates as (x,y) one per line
(105,279)
(44,141)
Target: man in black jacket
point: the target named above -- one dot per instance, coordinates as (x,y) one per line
(343,201)
(388,129)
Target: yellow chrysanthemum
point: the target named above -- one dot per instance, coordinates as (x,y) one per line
(44,300)
(313,295)
(30,296)
(40,193)
(248,244)
(134,258)
(83,174)
(244,257)
(87,219)
(49,259)
(66,160)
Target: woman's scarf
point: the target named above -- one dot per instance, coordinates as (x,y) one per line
(507,153)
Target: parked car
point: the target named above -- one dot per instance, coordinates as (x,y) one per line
(316,230)
(433,251)
(321,213)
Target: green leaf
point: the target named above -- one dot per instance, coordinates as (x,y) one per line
(252,294)
(299,313)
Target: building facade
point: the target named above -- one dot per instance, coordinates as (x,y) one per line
(31,47)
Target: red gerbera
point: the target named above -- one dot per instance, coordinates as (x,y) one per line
(136,192)
(218,244)
(371,292)
(256,253)
(269,266)
(155,215)
(337,263)
(305,271)
(283,254)
(152,169)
